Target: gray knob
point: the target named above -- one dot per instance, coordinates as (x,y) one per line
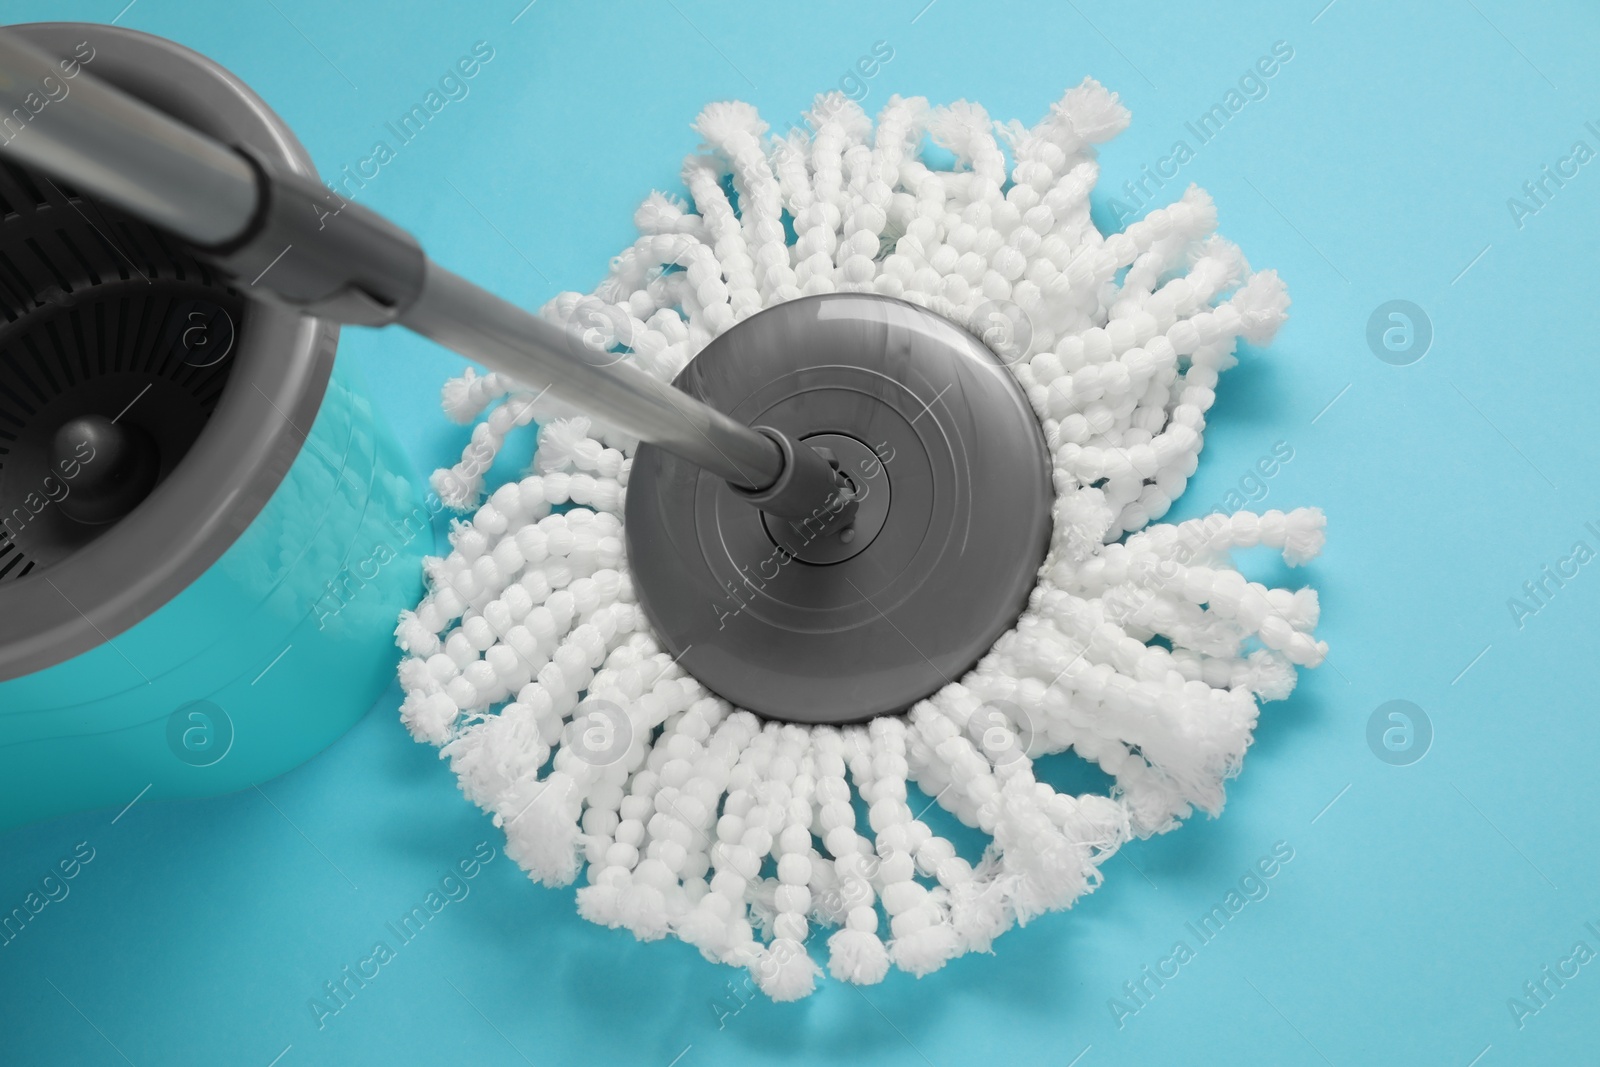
(117,468)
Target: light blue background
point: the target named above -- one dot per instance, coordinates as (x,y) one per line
(1377,168)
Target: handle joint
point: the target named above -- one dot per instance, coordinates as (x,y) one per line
(310,248)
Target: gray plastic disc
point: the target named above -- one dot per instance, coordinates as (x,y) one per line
(953,523)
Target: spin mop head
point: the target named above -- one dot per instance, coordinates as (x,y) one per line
(531,662)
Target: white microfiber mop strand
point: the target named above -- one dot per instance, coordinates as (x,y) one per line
(531,665)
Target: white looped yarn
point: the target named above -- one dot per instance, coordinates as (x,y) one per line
(530,664)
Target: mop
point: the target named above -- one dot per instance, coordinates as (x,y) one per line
(816,542)
(767,839)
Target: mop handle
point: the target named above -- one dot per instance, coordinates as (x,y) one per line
(292,239)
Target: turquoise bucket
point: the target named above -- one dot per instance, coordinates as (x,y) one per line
(240,617)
